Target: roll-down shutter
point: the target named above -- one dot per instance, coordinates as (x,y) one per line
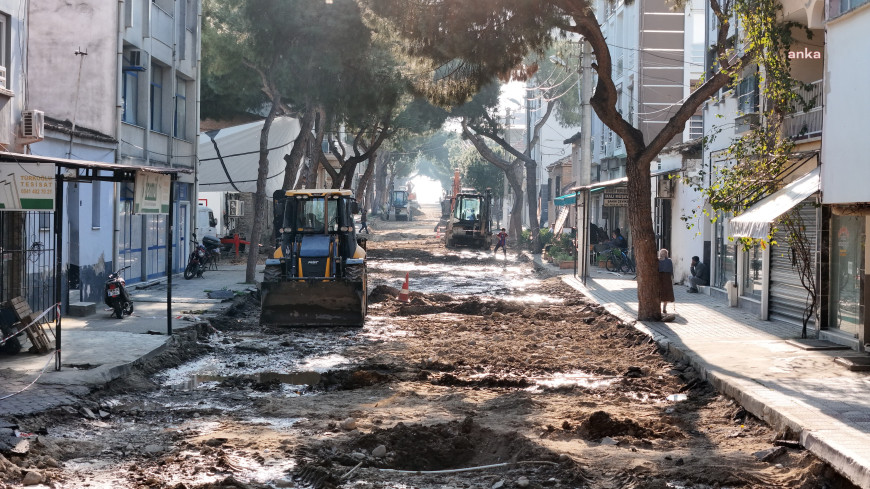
(787,296)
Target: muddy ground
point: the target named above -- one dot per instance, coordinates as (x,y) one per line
(491,364)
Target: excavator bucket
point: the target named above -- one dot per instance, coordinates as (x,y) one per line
(312,303)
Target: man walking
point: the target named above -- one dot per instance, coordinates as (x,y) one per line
(700,275)
(363,223)
(502,242)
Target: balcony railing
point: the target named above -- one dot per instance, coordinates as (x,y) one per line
(807,123)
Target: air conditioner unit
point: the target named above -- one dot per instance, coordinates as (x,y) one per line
(665,187)
(135,56)
(236,208)
(32,125)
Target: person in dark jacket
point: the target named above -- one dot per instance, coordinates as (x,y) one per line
(618,240)
(363,222)
(666,280)
(700,275)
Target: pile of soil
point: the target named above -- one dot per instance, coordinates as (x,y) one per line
(457,444)
(600,424)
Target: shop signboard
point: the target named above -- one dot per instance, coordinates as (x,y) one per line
(616,197)
(151,195)
(27,187)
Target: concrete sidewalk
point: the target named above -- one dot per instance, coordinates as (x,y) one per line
(752,361)
(99,348)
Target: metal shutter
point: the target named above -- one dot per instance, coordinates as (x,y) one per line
(787,296)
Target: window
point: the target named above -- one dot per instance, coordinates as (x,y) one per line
(747,94)
(95,204)
(839,7)
(131,96)
(128,13)
(190,16)
(156,98)
(180,129)
(4,51)
(696,127)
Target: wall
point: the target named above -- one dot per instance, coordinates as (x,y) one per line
(846,162)
(55,34)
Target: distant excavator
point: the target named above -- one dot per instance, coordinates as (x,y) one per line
(317,275)
(469,222)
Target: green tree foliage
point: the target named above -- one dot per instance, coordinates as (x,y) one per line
(476,172)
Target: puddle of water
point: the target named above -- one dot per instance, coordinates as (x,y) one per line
(577,378)
(294,379)
(324,363)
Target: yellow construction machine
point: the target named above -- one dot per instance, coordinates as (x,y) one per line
(317,275)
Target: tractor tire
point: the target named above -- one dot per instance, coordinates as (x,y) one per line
(272,273)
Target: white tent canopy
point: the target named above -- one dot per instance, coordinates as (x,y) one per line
(229,158)
(754,222)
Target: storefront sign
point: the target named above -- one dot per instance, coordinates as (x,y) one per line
(27,187)
(616,197)
(151,193)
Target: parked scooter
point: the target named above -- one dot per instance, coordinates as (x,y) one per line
(196,262)
(116,295)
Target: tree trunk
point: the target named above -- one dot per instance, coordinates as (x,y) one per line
(260,194)
(317,150)
(643,239)
(381,183)
(532,196)
(298,150)
(366,177)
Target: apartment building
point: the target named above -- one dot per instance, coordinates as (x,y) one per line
(764,278)
(647,43)
(124,90)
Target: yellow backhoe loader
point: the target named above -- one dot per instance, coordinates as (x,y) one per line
(317,275)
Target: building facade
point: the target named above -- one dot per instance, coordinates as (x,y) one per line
(845,171)
(125,90)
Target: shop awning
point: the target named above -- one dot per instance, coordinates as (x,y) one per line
(567,199)
(754,222)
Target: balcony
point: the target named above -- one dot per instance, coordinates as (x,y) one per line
(806,123)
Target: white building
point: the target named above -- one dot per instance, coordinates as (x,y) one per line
(845,173)
(128,83)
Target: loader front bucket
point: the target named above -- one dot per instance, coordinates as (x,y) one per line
(312,303)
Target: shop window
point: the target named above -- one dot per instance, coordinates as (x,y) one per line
(848,241)
(752,266)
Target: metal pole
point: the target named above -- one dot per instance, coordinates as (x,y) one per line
(169,226)
(72,133)
(58,265)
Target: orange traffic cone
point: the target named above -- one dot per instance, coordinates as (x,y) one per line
(405,294)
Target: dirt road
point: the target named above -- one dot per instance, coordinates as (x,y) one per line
(491,363)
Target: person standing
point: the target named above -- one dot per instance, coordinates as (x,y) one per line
(363,224)
(700,275)
(666,281)
(502,242)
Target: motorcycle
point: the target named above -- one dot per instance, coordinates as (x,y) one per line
(116,295)
(196,262)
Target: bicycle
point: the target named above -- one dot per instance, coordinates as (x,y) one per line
(618,261)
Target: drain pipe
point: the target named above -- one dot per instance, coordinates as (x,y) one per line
(116,190)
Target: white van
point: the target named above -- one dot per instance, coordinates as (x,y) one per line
(205,222)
